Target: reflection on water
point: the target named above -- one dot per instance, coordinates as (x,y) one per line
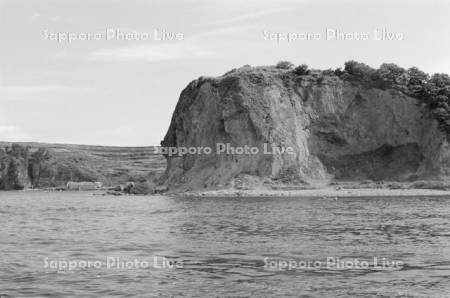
(222,244)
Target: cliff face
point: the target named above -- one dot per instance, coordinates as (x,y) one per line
(14,168)
(339,130)
(49,165)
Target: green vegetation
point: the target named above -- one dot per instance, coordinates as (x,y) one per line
(285,65)
(329,72)
(358,71)
(301,70)
(434,91)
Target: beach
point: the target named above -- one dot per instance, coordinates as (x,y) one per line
(320,193)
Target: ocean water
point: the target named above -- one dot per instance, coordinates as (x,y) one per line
(137,246)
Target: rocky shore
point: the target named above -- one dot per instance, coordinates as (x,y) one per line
(324,193)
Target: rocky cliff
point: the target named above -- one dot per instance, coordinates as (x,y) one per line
(339,129)
(14,168)
(40,165)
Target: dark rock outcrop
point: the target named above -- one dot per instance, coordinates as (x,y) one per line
(339,129)
(14,168)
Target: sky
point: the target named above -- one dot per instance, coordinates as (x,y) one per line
(118,79)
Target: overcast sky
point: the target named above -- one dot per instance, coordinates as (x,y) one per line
(122,92)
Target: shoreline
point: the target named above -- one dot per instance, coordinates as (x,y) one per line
(325,192)
(330,193)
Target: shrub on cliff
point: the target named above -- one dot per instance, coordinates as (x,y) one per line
(285,65)
(301,70)
(359,71)
(328,72)
(417,77)
(390,74)
(338,71)
(417,81)
(440,80)
(434,92)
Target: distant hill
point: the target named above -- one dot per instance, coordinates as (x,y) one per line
(55,164)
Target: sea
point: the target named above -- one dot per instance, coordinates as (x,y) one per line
(84,244)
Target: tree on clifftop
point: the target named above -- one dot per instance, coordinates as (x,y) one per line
(285,65)
(391,74)
(359,71)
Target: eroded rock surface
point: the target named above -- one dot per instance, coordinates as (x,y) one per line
(339,129)
(14,168)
